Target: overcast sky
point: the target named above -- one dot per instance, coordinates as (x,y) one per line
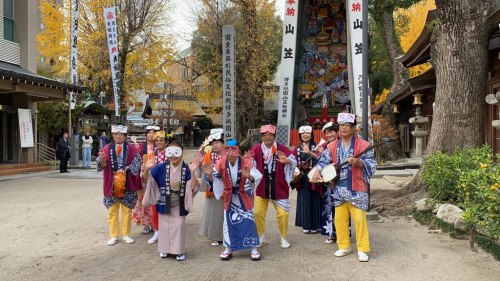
(183,24)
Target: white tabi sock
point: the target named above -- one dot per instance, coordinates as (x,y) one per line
(228,250)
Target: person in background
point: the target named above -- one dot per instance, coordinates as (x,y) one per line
(103,140)
(63,153)
(327,208)
(212,219)
(308,195)
(86,149)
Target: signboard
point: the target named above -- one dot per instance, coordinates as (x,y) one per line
(288,54)
(228,81)
(25,127)
(112,38)
(355,23)
(74,51)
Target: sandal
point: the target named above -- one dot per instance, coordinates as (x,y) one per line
(285,244)
(215,243)
(306,231)
(225,256)
(163,255)
(255,256)
(180,257)
(331,240)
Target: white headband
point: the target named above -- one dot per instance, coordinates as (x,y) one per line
(154,128)
(346,118)
(327,125)
(215,134)
(305,129)
(119,129)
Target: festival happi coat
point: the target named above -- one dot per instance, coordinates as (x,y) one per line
(240,231)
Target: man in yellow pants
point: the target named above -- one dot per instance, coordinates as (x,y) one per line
(276,163)
(350,195)
(121,164)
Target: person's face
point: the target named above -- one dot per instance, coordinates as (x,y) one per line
(150,135)
(65,135)
(216,146)
(87,133)
(103,134)
(160,143)
(346,130)
(330,135)
(305,137)
(175,160)
(119,138)
(268,139)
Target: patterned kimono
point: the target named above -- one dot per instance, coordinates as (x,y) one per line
(240,231)
(352,186)
(170,189)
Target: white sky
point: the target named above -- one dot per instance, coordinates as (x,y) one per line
(183,25)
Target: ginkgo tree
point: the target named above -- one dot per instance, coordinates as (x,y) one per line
(145,48)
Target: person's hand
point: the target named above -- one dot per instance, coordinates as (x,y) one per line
(306,149)
(249,155)
(354,161)
(207,168)
(320,149)
(143,166)
(101,155)
(194,165)
(245,172)
(150,163)
(282,158)
(317,177)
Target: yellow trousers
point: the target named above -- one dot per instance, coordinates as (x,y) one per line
(113,220)
(260,211)
(342,226)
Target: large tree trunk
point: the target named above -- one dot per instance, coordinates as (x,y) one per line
(383,16)
(460,57)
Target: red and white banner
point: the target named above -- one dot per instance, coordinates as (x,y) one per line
(288,55)
(355,23)
(112,38)
(74,51)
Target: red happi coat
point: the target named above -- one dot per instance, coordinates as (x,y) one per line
(221,167)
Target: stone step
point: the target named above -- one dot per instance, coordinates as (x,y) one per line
(33,168)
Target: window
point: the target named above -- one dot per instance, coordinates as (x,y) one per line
(8,20)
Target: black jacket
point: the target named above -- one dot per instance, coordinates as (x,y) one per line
(62,149)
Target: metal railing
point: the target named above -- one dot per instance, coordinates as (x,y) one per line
(46,155)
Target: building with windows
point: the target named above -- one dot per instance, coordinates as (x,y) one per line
(20,85)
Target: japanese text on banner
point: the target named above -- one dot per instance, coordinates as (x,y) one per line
(112,38)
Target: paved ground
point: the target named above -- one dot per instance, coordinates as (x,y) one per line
(53,227)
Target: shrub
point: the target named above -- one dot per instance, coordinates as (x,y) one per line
(441,172)
(480,187)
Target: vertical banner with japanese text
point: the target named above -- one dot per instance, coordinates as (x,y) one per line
(112,38)
(25,127)
(74,51)
(355,23)
(288,55)
(228,81)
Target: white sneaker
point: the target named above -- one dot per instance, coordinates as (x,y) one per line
(342,253)
(153,239)
(363,257)
(163,255)
(128,240)
(112,241)
(284,243)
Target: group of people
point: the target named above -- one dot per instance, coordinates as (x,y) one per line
(154,187)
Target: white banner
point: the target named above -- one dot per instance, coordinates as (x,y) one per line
(355,23)
(74,51)
(112,38)
(287,70)
(228,81)
(25,127)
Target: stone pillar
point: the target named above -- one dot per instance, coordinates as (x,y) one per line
(419,133)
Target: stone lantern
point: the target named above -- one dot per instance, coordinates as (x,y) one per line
(419,133)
